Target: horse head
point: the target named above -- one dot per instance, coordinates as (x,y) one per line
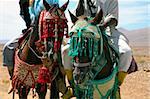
(85,45)
(51,28)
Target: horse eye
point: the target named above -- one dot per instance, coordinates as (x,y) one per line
(92,33)
(86,18)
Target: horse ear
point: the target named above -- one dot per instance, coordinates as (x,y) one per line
(97,19)
(46,5)
(63,8)
(73,18)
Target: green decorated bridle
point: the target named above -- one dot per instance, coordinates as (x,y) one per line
(87,40)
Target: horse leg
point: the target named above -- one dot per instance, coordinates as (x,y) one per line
(61,85)
(23,92)
(54,93)
(41,89)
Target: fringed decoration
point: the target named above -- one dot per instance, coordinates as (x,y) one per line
(24,75)
(44,75)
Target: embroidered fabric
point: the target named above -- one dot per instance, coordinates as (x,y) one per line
(24,73)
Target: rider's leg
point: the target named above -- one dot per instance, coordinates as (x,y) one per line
(125,55)
(124,60)
(23,92)
(8,59)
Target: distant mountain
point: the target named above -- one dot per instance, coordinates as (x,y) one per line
(3,41)
(123,30)
(139,37)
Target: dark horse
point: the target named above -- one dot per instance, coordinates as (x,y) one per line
(38,59)
(94,59)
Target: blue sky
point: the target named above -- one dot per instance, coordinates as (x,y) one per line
(133,14)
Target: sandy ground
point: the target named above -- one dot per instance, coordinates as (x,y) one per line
(135,86)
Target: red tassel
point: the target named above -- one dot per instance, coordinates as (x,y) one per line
(44,75)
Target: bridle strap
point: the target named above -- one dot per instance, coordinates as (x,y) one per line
(82,64)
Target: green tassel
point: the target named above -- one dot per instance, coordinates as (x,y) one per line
(85,54)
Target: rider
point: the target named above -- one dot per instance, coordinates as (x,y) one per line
(110,21)
(29,9)
(36,6)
